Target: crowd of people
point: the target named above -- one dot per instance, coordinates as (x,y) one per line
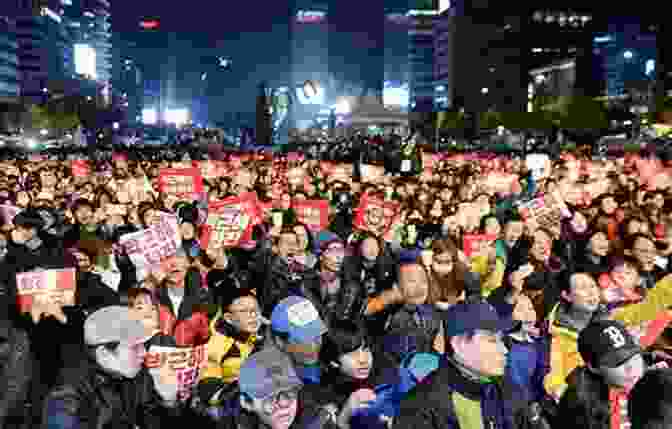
(457,292)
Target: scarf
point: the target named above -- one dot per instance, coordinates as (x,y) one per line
(493,406)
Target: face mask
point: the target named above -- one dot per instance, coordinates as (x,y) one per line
(625,375)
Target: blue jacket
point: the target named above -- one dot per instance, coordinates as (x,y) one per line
(526,367)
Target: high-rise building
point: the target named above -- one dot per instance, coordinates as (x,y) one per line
(309,42)
(89,23)
(9,67)
(45,51)
(627,54)
(127,80)
(488,73)
(421,46)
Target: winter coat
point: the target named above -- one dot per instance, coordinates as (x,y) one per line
(190,325)
(435,403)
(564,355)
(87,397)
(16,371)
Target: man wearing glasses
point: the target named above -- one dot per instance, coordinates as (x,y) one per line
(270,395)
(235,333)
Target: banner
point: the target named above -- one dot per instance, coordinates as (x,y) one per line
(147,248)
(374,216)
(8,213)
(230,221)
(212,169)
(545,212)
(182,365)
(312,213)
(477,244)
(80,168)
(45,286)
(185,183)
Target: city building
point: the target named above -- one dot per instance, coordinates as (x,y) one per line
(421,59)
(45,51)
(557,79)
(9,67)
(89,26)
(396,71)
(127,81)
(489,72)
(627,55)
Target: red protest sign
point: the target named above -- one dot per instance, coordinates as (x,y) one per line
(8,213)
(50,286)
(183,182)
(313,213)
(229,222)
(375,216)
(80,168)
(476,244)
(177,365)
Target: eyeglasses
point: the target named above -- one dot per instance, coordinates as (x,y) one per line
(272,402)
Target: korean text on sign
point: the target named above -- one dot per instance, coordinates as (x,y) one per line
(50,286)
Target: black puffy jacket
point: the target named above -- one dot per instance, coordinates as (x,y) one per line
(15,374)
(90,399)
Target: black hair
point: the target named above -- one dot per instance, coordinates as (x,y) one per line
(631,239)
(344,336)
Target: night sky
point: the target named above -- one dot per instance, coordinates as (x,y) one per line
(254,34)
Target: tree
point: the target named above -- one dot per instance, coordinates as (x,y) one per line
(490,119)
(584,118)
(38,118)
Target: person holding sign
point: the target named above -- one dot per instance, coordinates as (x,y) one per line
(110,387)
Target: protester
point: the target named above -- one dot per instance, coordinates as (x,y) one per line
(111,368)
(649,404)
(476,356)
(614,363)
(576,240)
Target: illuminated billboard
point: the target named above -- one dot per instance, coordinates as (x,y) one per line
(310,17)
(317,98)
(149,116)
(177,117)
(85,60)
(151,24)
(396,95)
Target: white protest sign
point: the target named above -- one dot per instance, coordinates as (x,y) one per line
(147,248)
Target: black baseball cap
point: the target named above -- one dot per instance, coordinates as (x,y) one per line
(606,343)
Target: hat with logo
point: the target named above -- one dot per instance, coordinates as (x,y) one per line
(298,319)
(30,217)
(467,317)
(111,325)
(267,373)
(606,343)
